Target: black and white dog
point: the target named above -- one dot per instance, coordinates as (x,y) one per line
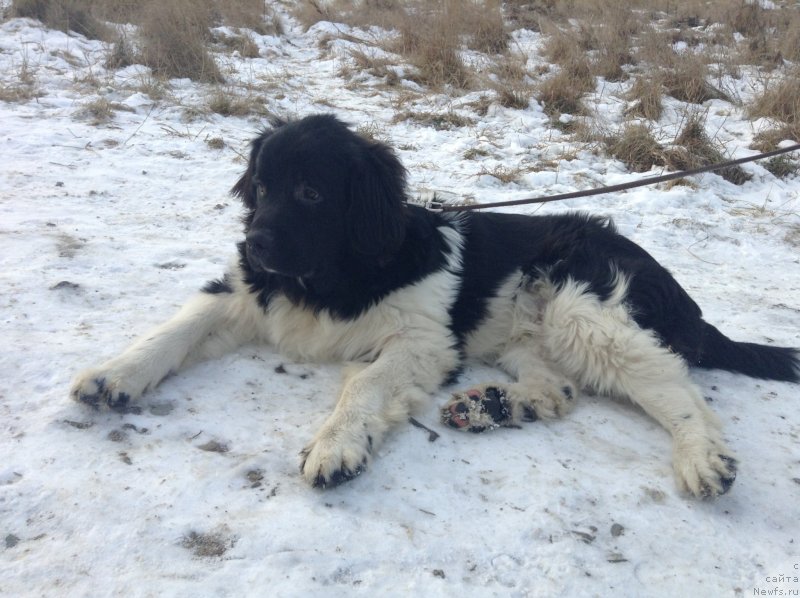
(337,266)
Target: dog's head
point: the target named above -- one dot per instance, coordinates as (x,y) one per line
(318,194)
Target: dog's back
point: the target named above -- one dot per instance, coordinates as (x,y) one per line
(582,248)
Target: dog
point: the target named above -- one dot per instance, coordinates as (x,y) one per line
(336,264)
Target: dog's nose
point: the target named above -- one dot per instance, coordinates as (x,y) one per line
(260,242)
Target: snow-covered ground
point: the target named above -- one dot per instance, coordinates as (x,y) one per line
(105,229)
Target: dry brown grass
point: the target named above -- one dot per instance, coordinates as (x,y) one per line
(780,99)
(613,31)
(768,139)
(100,110)
(482,22)
(478,22)
(505,174)
(359,13)
(121,53)
(562,92)
(563,43)
(430,34)
(511,81)
(173,37)
(686,79)
(779,102)
(64,15)
(19,93)
(603,31)
(257,15)
(617,40)
(228,101)
(443,121)
(431,43)
(636,147)
(23,86)
(375,65)
(584,39)
(694,148)
(157,89)
(217,143)
(770,34)
(241,43)
(529,14)
(782,166)
(789,37)
(117,11)
(646,95)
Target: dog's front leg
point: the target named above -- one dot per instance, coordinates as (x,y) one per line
(155,355)
(374,397)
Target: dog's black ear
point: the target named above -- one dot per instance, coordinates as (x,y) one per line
(377,214)
(243,189)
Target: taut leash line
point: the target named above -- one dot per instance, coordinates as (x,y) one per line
(439,206)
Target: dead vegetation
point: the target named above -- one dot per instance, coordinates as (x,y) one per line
(430,35)
(100,110)
(645,95)
(23,86)
(228,101)
(173,37)
(64,15)
(506,174)
(636,146)
(780,104)
(649,50)
(693,148)
(443,121)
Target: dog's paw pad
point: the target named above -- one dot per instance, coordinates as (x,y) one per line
(721,481)
(339,476)
(477,410)
(327,463)
(709,477)
(90,392)
(104,388)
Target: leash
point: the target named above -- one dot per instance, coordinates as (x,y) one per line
(436,205)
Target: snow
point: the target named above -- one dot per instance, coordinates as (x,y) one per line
(105,229)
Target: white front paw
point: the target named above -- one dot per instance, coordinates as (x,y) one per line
(707,470)
(107,385)
(336,455)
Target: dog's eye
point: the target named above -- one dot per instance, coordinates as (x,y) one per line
(261,191)
(310,195)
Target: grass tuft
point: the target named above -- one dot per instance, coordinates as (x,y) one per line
(64,15)
(227,101)
(440,121)
(636,147)
(646,95)
(562,93)
(693,149)
(173,39)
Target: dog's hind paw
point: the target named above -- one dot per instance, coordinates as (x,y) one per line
(480,409)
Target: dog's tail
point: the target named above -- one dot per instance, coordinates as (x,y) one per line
(717,351)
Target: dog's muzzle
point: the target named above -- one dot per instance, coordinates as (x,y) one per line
(259,245)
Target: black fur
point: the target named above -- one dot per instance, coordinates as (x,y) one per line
(221,285)
(361,186)
(327,225)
